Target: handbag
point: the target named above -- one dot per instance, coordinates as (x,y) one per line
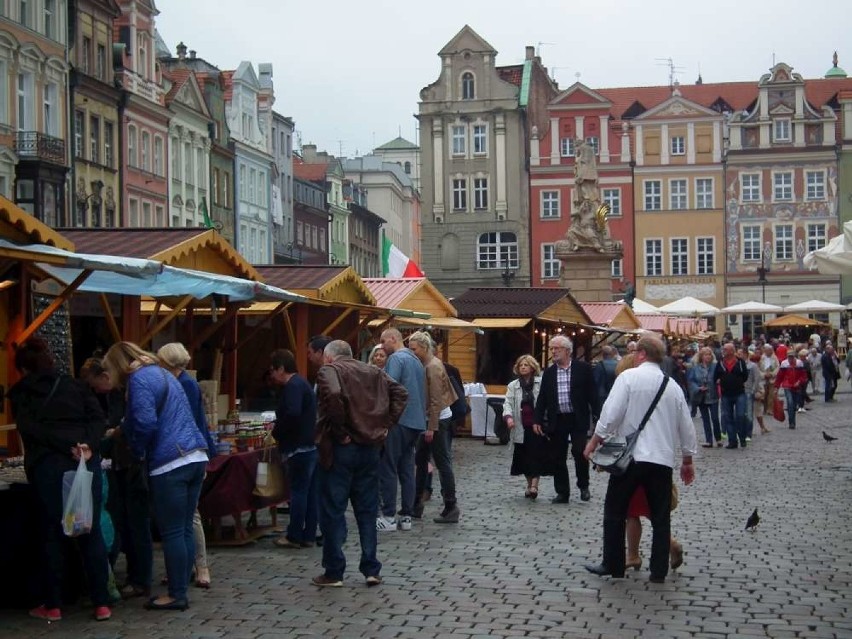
(778,409)
(615,455)
(269,479)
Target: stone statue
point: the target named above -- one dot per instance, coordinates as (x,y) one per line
(588,228)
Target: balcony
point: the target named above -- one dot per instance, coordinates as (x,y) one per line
(32,145)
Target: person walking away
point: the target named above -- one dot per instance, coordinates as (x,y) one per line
(530,450)
(751,386)
(357,404)
(295,431)
(731,375)
(604,373)
(830,371)
(791,377)
(668,429)
(702,394)
(566,402)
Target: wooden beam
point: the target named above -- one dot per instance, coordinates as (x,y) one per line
(291,334)
(281,308)
(110,318)
(230,311)
(153,319)
(39,321)
(327,330)
(184,302)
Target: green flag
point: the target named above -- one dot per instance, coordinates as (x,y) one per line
(208,223)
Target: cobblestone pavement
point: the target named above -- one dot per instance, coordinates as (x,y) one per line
(514,568)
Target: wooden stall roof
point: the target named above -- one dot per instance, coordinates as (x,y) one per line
(413,293)
(193,248)
(545,304)
(793,321)
(19,226)
(654,322)
(329,283)
(611,314)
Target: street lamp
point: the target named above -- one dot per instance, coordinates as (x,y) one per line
(763,270)
(507,275)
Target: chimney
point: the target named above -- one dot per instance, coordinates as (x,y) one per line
(530,53)
(192,54)
(309,153)
(181,51)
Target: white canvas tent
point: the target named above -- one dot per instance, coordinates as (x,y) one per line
(814,306)
(836,257)
(689,306)
(641,306)
(752,308)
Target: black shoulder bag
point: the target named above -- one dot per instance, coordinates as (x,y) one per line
(615,455)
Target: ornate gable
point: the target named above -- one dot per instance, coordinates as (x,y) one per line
(579,94)
(190,95)
(467,40)
(677,107)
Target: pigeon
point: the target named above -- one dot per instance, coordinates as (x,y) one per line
(753,521)
(828,437)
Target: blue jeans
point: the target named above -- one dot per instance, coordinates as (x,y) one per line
(710,414)
(353,476)
(397,465)
(174,498)
(303,497)
(733,418)
(792,400)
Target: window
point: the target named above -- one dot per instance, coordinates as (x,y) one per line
(25,102)
(653,195)
(85,55)
(50,19)
(613,198)
(706,255)
(24,12)
(680,256)
(226,201)
(816,236)
(158,155)
(497,250)
(159,215)
(199,167)
(678,145)
(300,233)
(782,184)
(51,120)
(252,186)
(459,194)
(176,163)
(781,130)
(815,185)
(704,193)
(94,139)
(142,60)
(147,222)
(407,168)
(79,132)
(617,269)
(322,240)
(550,204)
(784,242)
(133,205)
(566,147)
(243,183)
(480,194)
(480,139)
(100,62)
(459,138)
(467,86)
(594,142)
(677,195)
(146,151)
(261,188)
(132,159)
(751,243)
(214,187)
(253,245)
(653,258)
(109,217)
(289,146)
(750,187)
(550,265)
(4,91)
(109,157)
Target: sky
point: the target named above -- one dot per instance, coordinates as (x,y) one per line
(350,73)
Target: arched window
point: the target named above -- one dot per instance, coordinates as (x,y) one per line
(467,86)
(450,252)
(497,250)
(407,168)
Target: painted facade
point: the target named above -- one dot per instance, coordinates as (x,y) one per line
(310,219)
(578,113)
(282,188)
(34,158)
(328,170)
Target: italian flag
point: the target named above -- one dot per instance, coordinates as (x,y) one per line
(395,263)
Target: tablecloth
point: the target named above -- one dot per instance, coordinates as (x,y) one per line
(227,489)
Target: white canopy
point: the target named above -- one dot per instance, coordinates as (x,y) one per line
(752,308)
(814,306)
(836,257)
(688,306)
(641,306)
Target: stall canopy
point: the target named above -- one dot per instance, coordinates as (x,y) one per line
(793,321)
(688,306)
(836,257)
(616,315)
(555,305)
(415,293)
(752,308)
(641,306)
(814,306)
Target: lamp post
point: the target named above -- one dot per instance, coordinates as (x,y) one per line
(763,270)
(507,275)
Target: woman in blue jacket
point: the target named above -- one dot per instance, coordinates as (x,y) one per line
(703,394)
(160,428)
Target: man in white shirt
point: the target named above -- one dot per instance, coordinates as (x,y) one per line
(668,428)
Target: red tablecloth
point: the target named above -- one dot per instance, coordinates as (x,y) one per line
(227,489)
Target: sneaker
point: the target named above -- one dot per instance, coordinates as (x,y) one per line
(324,580)
(374,580)
(48,614)
(405,523)
(102,613)
(800,410)
(748,439)
(385,524)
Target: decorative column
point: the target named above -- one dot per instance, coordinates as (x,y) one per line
(604,121)
(640,147)
(500,152)
(554,141)
(438,163)
(664,144)
(717,141)
(690,142)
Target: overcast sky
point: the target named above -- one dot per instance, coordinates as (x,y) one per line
(349,73)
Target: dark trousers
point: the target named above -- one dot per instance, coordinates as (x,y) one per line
(303,497)
(46,478)
(566,427)
(830,386)
(133,523)
(657,481)
(440,451)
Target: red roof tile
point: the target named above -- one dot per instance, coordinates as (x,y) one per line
(228,82)
(311,172)
(513,74)
(299,276)
(653,322)
(602,313)
(142,243)
(391,292)
(178,78)
(506,302)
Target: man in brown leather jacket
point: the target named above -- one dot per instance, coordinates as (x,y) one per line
(356,406)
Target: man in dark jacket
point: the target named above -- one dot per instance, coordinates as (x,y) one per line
(731,376)
(295,432)
(357,404)
(566,402)
(830,371)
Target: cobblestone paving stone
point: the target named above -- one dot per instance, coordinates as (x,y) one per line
(514,568)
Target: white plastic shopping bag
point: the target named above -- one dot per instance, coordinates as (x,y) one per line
(77,503)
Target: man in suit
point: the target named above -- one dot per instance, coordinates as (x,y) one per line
(567,401)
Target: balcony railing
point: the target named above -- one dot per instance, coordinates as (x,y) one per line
(32,144)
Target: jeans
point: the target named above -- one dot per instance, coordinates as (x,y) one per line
(733,418)
(46,478)
(565,428)
(134,524)
(397,464)
(440,451)
(792,400)
(174,498)
(710,416)
(749,414)
(303,497)
(657,481)
(353,475)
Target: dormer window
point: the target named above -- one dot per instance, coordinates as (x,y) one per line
(467,86)
(781,131)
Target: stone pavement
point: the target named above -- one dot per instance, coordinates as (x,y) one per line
(514,568)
